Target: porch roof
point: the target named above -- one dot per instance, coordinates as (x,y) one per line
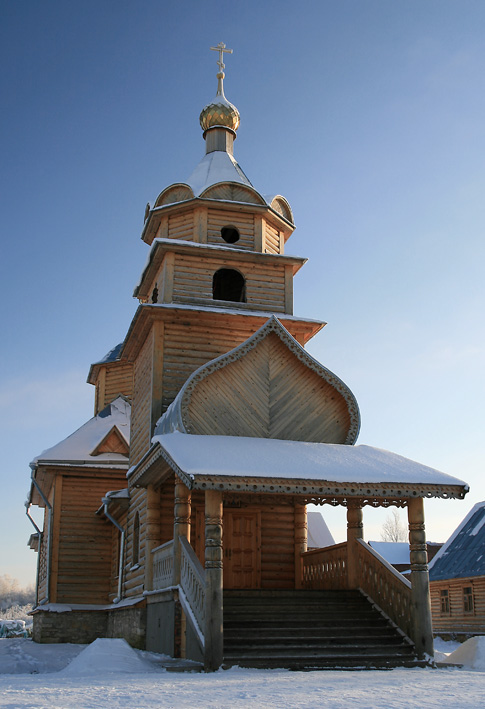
(270,465)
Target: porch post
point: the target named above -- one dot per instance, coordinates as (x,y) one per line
(181,527)
(213,651)
(152,533)
(301,540)
(423,631)
(355,530)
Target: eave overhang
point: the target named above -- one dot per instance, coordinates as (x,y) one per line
(155,214)
(302,329)
(161,247)
(159,463)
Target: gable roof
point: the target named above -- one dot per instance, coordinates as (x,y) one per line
(80,447)
(319,534)
(267,387)
(463,555)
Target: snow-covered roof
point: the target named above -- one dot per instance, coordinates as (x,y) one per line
(319,534)
(463,555)
(215,167)
(237,462)
(393,552)
(112,355)
(79,446)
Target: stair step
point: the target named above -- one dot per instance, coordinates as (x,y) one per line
(310,630)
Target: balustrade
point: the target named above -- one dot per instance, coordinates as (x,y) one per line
(192,583)
(163,566)
(386,586)
(325,568)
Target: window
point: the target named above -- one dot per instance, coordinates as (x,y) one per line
(230,234)
(229,284)
(155,295)
(445,602)
(136,539)
(468,599)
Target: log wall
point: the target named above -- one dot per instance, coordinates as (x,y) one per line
(457,620)
(243,221)
(189,344)
(272,239)
(181,226)
(81,564)
(192,281)
(142,403)
(119,380)
(134,572)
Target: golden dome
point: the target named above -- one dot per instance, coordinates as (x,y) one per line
(220,111)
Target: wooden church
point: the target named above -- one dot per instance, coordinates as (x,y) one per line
(176,517)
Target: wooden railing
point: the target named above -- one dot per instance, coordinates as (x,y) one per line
(385,586)
(163,566)
(325,568)
(192,584)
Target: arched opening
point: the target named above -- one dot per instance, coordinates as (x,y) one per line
(230,234)
(229,284)
(136,539)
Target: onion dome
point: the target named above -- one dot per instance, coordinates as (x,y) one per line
(220,112)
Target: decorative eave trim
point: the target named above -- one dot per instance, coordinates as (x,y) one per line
(315,490)
(178,415)
(311,491)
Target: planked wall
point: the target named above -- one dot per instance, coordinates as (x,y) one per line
(269,393)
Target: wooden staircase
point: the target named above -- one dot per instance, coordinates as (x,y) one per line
(306,629)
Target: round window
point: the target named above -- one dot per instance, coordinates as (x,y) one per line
(230,234)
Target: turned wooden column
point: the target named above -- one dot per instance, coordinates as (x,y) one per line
(152,539)
(423,631)
(301,539)
(213,650)
(181,527)
(355,530)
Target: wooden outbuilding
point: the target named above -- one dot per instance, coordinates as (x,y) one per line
(457,579)
(196,545)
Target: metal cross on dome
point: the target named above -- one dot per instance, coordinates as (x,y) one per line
(221,48)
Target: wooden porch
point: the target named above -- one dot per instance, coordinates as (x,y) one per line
(200,593)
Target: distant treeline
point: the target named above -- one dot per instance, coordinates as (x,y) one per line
(12,594)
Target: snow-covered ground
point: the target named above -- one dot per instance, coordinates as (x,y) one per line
(108,673)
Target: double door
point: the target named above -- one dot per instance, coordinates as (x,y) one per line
(241,544)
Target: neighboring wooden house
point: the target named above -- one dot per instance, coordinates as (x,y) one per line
(457,579)
(234,427)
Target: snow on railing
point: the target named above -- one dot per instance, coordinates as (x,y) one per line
(385,586)
(325,568)
(163,566)
(192,584)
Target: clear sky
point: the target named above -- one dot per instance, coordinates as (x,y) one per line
(367,115)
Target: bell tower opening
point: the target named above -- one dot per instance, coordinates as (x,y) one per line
(229,284)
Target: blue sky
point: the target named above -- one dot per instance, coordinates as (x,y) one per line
(368,116)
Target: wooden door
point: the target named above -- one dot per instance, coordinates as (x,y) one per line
(242,548)
(241,542)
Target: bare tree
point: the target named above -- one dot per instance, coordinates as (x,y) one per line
(393,530)
(12,594)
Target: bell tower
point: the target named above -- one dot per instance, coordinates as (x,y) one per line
(216,271)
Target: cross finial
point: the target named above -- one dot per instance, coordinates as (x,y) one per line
(221,48)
